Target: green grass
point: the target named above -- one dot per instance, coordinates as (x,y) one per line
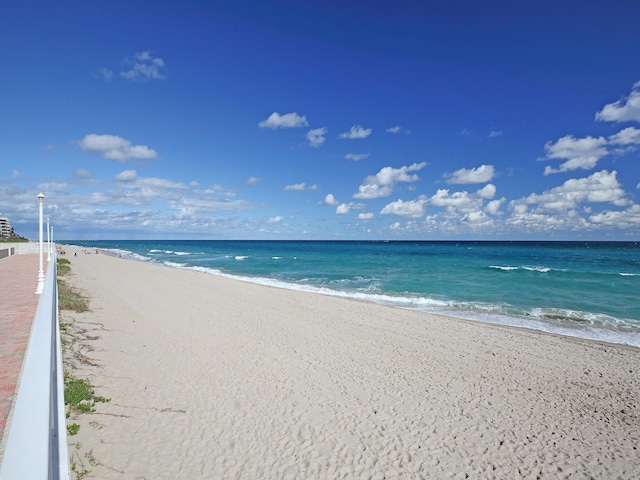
(64,266)
(70,298)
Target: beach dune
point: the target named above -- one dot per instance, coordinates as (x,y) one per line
(209,377)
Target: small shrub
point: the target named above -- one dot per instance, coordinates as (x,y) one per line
(70,298)
(63,266)
(73,429)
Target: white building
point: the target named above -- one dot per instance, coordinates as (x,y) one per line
(6,230)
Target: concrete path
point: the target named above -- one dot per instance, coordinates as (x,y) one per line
(18,302)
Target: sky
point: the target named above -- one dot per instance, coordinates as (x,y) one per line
(349,120)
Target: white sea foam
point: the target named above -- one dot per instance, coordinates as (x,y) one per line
(241,257)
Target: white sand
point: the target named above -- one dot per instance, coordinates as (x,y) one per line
(214,378)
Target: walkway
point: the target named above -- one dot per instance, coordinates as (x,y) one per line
(18,302)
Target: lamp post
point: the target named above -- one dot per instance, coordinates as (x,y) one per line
(48,242)
(41,271)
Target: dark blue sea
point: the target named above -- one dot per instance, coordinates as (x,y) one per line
(582,289)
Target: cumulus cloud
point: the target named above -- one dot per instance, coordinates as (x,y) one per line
(493,207)
(410,209)
(356,157)
(288,120)
(356,132)
(601,187)
(300,187)
(345,208)
(394,129)
(482,174)
(315,136)
(144,67)
(627,218)
(581,153)
(624,110)
(382,183)
(276,219)
(628,136)
(116,148)
(487,192)
(494,133)
(365,216)
(330,200)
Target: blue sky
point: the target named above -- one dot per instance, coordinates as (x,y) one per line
(322,119)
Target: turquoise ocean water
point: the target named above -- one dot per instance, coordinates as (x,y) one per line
(583,289)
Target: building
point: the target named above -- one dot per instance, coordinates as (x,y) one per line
(6,230)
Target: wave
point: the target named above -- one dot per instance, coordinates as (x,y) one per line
(530,268)
(240,257)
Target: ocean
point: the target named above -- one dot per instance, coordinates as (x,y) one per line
(582,289)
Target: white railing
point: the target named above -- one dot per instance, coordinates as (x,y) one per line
(37,442)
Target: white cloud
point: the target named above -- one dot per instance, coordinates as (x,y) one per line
(276,219)
(127,176)
(494,133)
(628,136)
(144,66)
(624,110)
(356,157)
(487,192)
(493,207)
(345,208)
(116,148)
(601,187)
(356,132)
(482,174)
(365,216)
(394,129)
(315,136)
(330,200)
(581,153)
(288,120)
(456,200)
(618,219)
(300,187)
(382,183)
(252,181)
(410,209)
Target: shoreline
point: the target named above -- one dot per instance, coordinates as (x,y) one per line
(534,324)
(220,378)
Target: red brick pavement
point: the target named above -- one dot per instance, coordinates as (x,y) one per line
(18,302)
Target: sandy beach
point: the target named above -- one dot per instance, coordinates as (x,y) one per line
(210,377)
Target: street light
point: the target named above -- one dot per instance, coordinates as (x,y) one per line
(48,242)
(41,271)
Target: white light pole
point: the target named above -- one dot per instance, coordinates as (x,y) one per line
(48,242)
(41,271)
